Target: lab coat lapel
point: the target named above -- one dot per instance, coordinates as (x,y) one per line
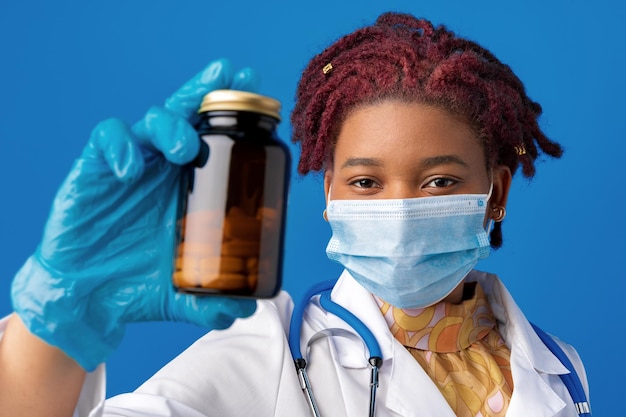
(532,395)
(411,392)
(533,366)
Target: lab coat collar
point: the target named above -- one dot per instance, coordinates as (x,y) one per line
(514,326)
(531,360)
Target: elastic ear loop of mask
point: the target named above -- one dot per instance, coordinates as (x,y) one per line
(490,223)
(327,203)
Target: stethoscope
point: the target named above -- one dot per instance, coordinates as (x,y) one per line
(572,380)
(375,360)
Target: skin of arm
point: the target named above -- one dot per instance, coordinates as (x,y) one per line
(36,379)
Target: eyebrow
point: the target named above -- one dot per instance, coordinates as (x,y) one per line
(427,162)
(443,160)
(371,162)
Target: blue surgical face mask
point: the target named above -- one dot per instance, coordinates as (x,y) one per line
(409,252)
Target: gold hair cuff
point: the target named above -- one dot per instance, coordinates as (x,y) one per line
(520,150)
(327,68)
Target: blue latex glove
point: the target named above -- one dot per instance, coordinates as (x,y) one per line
(106,254)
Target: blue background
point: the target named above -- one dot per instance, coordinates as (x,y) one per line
(65,65)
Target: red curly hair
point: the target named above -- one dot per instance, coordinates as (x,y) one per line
(404,58)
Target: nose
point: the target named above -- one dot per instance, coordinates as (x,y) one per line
(402,190)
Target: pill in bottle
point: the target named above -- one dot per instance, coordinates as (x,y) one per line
(231,214)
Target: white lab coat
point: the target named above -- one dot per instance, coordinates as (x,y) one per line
(248,369)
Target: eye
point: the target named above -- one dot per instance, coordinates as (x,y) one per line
(441,182)
(364,183)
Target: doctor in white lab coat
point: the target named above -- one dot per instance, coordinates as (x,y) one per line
(248,369)
(418,134)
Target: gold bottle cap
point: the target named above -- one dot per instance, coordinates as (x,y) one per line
(240,101)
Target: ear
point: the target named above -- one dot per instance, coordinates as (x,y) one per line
(501,184)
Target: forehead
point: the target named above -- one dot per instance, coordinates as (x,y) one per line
(394,130)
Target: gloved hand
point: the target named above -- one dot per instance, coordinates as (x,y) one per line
(106,254)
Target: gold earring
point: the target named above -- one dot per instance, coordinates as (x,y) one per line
(501,213)
(325,215)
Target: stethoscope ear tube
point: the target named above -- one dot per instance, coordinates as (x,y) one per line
(375,353)
(295,326)
(324,289)
(354,322)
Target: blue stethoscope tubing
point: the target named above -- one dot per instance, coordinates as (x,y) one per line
(324,289)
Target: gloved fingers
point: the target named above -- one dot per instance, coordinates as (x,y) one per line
(217,75)
(167,129)
(186,100)
(113,141)
(169,133)
(246,80)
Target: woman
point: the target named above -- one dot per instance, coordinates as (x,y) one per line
(418,134)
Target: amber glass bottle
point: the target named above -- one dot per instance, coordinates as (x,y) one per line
(231,217)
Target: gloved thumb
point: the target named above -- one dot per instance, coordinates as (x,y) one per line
(213,312)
